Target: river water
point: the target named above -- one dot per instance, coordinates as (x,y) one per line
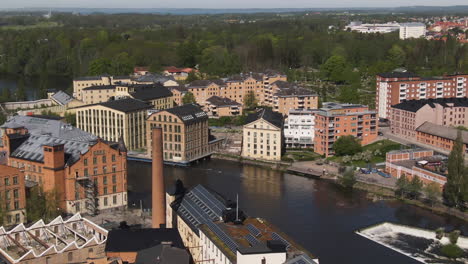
(315,213)
(32,84)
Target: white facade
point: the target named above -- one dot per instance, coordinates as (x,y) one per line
(270,258)
(412,30)
(373,28)
(261,140)
(299,128)
(383,99)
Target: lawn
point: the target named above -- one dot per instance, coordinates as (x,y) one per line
(302,155)
(383,145)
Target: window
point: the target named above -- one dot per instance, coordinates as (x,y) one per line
(104,159)
(105,190)
(104,169)
(113,157)
(114,179)
(95,172)
(114,168)
(94,160)
(114,199)
(17,218)
(15,193)
(70,256)
(7,181)
(114,189)
(105,201)
(16,205)
(86,172)
(104,180)
(7,194)
(85,162)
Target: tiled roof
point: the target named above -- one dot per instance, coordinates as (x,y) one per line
(48,132)
(189,113)
(442,131)
(222,101)
(155,78)
(126,105)
(415,105)
(268,115)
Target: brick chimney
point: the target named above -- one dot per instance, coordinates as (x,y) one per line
(158,193)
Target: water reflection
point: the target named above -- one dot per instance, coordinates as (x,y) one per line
(317,214)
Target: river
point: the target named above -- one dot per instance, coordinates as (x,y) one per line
(32,84)
(315,213)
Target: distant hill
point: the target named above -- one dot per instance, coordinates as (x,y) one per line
(199,11)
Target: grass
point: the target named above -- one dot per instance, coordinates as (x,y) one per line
(383,146)
(302,155)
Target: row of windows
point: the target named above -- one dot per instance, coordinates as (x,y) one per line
(103,159)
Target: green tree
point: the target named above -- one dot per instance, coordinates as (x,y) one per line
(349,179)
(188,98)
(70,118)
(35,204)
(349,94)
(192,76)
(415,187)
(432,192)
(456,173)
(250,101)
(397,56)
(122,64)
(99,66)
(52,204)
(347,145)
(453,236)
(452,251)
(333,68)
(402,185)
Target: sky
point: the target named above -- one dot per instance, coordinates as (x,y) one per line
(223,3)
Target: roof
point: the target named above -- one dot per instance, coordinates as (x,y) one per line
(173,69)
(204,83)
(62,98)
(100,87)
(188,113)
(90,78)
(150,92)
(45,132)
(222,101)
(295,91)
(155,78)
(136,239)
(162,254)
(415,105)
(397,75)
(73,233)
(178,88)
(413,24)
(126,105)
(207,212)
(442,131)
(268,115)
(282,84)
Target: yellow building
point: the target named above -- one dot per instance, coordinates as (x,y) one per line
(262,136)
(110,120)
(185,133)
(83,82)
(221,106)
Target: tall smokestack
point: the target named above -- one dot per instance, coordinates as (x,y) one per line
(158,194)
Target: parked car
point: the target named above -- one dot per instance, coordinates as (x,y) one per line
(383,174)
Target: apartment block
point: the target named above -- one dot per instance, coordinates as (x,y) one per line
(396,87)
(221,106)
(263,135)
(412,30)
(299,129)
(178,93)
(186,136)
(287,96)
(111,120)
(441,137)
(87,173)
(406,116)
(104,80)
(334,120)
(12,195)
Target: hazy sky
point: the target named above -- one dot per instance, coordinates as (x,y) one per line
(223,3)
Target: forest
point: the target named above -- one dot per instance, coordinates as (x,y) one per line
(302,45)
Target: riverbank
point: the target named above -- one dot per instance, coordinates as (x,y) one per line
(375,191)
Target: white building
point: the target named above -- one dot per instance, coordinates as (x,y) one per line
(205,222)
(412,30)
(299,128)
(372,28)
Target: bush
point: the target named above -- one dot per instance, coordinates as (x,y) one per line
(453,236)
(452,251)
(349,179)
(347,145)
(440,233)
(286,158)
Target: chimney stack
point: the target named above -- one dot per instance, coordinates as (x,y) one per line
(158,193)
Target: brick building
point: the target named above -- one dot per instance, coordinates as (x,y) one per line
(395,87)
(75,240)
(114,119)
(441,137)
(186,136)
(334,120)
(417,163)
(87,173)
(12,195)
(406,116)
(221,106)
(263,135)
(288,96)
